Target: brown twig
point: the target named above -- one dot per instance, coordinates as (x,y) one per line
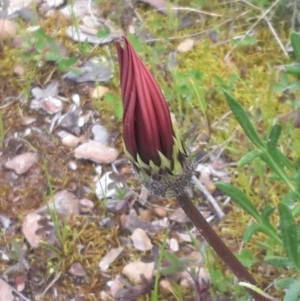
(218,245)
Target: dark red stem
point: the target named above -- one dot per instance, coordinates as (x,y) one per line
(218,245)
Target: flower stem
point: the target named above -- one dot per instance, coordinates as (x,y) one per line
(218,245)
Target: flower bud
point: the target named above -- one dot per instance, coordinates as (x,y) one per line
(151,141)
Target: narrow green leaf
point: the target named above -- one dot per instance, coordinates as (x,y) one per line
(293,292)
(278,262)
(240,198)
(298,181)
(264,227)
(264,246)
(285,161)
(250,231)
(173,259)
(292,69)
(266,212)
(295,41)
(243,120)
(296,210)
(176,264)
(273,138)
(250,156)
(289,234)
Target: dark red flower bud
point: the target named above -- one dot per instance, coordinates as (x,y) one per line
(147,126)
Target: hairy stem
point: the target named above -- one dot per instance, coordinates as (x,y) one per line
(218,245)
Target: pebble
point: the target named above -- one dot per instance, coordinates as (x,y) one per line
(165,285)
(77,270)
(96,152)
(99,92)
(51,105)
(210,186)
(100,134)
(174,245)
(134,270)
(161,212)
(109,258)
(8,29)
(21,163)
(146,215)
(72,165)
(68,139)
(185,45)
(86,205)
(26,120)
(19,71)
(141,241)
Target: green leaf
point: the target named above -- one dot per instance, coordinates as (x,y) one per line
(298,181)
(266,212)
(296,210)
(278,87)
(176,264)
(264,246)
(116,103)
(295,41)
(284,283)
(290,198)
(246,40)
(250,156)
(136,43)
(293,292)
(243,120)
(273,138)
(278,261)
(51,56)
(103,32)
(66,63)
(292,69)
(246,258)
(240,198)
(39,33)
(250,231)
(173,259)
(289,234)
(285,161)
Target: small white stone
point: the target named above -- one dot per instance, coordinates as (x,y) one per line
(81,122)
(174,246)
(141,240)
(72,165)
(76,99)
